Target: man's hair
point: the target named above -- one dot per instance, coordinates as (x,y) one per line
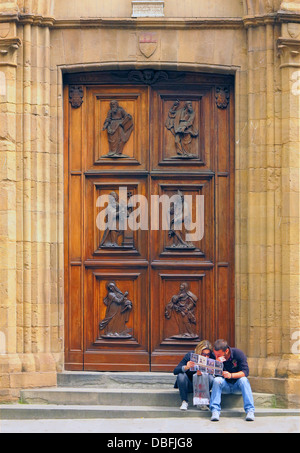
(221,345)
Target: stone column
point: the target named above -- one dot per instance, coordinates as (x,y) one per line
(272,334)
(9,49)
(263,177)
(34,351)
(289,49)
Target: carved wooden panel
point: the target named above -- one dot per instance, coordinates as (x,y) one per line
(115,124)
(181,313)
(114,323)
(194,240)
(183,128)
(180,319)
(115,310)
(117,196)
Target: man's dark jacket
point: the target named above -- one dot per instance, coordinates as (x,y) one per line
(237,362)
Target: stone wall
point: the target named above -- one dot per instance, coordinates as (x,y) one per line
(259,42)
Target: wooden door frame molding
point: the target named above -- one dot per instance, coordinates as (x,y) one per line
(88,78)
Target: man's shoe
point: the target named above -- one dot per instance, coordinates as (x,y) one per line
(215,416)
(250,416)
(184,406)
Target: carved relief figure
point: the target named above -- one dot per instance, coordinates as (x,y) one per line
(179,215)
(116,213)
(182,306)
(171,116)
(117,313)
(119,126)
(180,123)
(112,232)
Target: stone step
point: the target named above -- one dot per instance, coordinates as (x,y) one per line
(43,412)
(128,397)
(115,379)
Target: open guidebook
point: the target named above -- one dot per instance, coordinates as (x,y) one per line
(206,365)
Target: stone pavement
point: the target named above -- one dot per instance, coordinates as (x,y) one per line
(288,424)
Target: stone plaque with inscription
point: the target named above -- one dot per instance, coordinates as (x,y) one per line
(150,8)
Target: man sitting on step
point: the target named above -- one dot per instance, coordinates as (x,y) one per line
(234,379)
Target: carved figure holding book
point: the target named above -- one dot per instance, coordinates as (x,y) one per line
(119,126)
(117,313)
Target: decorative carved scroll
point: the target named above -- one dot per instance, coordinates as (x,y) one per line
(117,213)
(9,45)
(179,214)
(76,96)
(182,307)
(222,97)
(180,122)
(118,308)
(119,126)
(147,76)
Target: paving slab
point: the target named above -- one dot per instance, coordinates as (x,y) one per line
(36,412)
(263,424)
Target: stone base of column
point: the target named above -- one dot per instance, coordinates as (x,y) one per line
(278,376)
(21,371)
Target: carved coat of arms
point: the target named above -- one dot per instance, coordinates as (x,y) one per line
(4,30)
(222,97)
(293,30)
(76,96)
(148,44)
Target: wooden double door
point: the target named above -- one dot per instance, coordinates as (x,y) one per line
(140,293)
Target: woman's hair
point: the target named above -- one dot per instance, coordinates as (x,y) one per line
(204,344)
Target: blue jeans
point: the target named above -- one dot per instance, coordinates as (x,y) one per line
(241,386)
(185,386)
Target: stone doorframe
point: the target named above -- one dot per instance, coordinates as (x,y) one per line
(264,291)
(267,188)
(266,273)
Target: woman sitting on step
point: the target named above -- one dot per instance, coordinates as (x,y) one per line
(184,381)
